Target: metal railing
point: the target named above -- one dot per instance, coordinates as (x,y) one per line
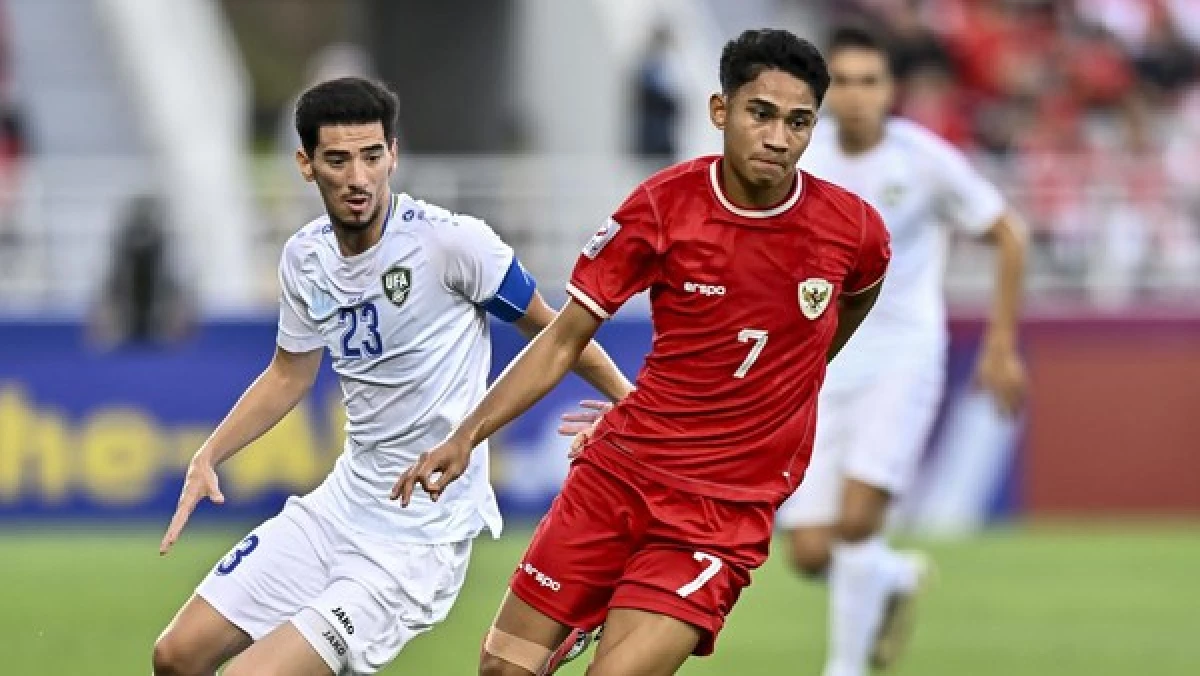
(1113,231)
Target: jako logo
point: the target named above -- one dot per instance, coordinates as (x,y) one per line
(336,642)
(344,618)
(542,578)
(704,289)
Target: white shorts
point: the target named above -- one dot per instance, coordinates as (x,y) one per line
(874,431)
(301,567)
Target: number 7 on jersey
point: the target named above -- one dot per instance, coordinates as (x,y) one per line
(760,341)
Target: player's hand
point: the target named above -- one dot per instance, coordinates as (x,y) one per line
(585,420)
(582,424)
(1001,372)
(200,483)
(433,470)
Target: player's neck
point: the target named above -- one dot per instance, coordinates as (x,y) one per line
(858,144)
(747,196)
(352,242)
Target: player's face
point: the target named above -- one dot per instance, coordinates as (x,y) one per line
(351,166)
(860,90)
(768,123)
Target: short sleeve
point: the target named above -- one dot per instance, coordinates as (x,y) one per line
(476,259)
(968,200)
(874,252)
(297,332)
(620,260)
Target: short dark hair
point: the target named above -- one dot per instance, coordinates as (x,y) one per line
(754,51)
(856,36)
(347,100)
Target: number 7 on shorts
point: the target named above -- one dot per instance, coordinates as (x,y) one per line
(709,572)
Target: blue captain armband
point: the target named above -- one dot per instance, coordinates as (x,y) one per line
(512,298)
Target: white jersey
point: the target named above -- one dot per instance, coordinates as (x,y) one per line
(409,339)
(918,182)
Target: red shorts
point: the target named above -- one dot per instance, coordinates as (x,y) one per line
(616,539)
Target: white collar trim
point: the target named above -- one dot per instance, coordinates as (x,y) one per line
(714,179)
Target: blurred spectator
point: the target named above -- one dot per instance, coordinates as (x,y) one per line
(916,48)
(656,100)
(143,299)
(14,146)
(1091,108)
(932,98)
(1166,63)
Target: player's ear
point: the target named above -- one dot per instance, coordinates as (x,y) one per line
(305,164)
(718,110)
(394,147)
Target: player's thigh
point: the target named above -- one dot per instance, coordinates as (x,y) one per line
(382,595)
(282,652)
(272,573)
(579,551)
(198,640)
(642,643)
(695,560)
(898,412)
(520,640)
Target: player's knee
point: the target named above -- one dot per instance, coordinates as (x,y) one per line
(810,556)
(857,527)
(810,561)
(173,658)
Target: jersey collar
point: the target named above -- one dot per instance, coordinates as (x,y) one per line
(714,180)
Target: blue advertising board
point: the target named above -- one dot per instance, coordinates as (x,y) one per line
(88,434)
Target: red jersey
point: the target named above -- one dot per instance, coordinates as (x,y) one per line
(744,306)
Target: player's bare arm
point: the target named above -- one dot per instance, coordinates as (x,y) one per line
(538,368)
(271,396)
(852,310)
(1000,369)
(594,365)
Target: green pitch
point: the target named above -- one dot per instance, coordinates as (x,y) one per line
(1062,602)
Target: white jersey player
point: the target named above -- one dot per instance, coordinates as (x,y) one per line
(398,292)
(881,394)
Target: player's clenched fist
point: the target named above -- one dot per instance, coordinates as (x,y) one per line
(200,483)
(433,470)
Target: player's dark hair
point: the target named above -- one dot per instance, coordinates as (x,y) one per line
(754,51)
(347,100)
(857,36)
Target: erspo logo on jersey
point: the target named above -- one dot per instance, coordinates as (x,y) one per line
(601,239)
(542,578)
(704,289)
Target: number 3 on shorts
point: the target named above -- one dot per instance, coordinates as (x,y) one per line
(714,566)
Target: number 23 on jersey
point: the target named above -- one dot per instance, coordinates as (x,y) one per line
(356,339)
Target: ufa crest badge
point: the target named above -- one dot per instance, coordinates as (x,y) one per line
(397,282)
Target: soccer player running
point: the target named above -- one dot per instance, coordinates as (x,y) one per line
(758,274)
(881,395)
(398,291)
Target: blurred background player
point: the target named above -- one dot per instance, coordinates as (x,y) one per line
(881,395)
(398,291)
(758,274)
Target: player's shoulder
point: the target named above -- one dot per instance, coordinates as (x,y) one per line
(308,240)
(432,219)
(832,199)
(684,177)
